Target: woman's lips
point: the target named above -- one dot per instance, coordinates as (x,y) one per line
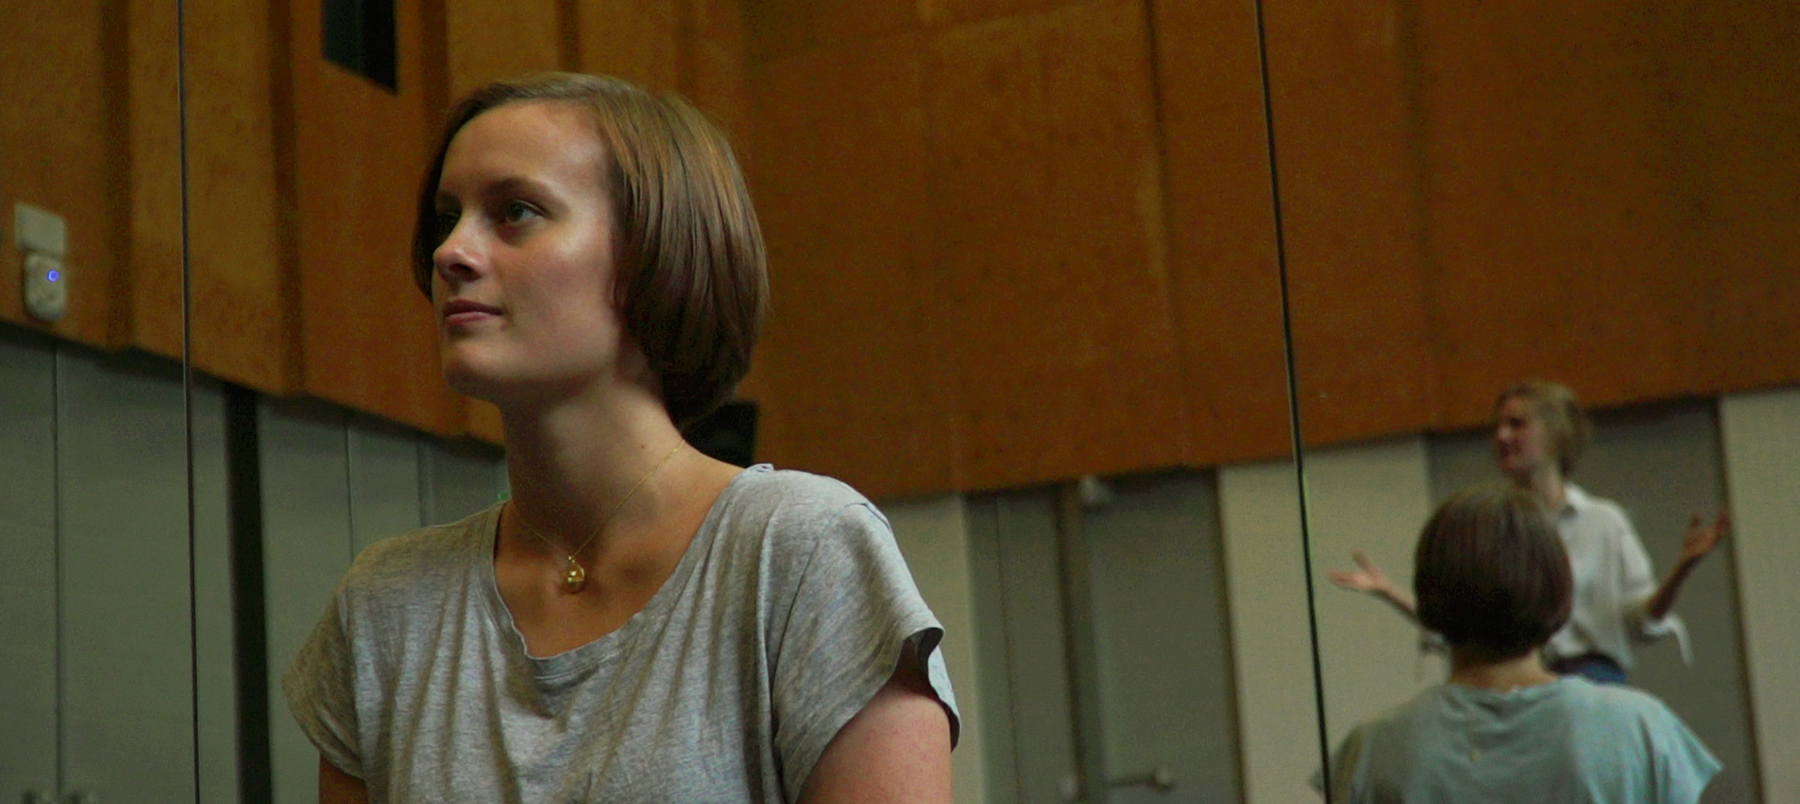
(462,313)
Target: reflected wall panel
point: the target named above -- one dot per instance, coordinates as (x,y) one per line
(1046,205)
(63,127)
(1739,144)
(1601,194)
(852,367)
(241,266)
(1555,220)
(369,337)
(1221,231)
(1348,165)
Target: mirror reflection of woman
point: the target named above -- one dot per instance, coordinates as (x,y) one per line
(638,622)
(1490,575)
(1540,433)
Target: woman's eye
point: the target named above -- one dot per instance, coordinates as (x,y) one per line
(446,221)
(518,212)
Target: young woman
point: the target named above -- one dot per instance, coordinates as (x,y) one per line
(639,622)
(1492,578)
(1539,435)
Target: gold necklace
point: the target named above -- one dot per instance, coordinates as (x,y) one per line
(574,577)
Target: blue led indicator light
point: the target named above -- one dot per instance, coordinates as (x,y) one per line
(53,276)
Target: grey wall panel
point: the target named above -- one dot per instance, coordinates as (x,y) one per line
(307,546)
(1165,659)
(214,627)
(125,639)
(457,479)
(1661,463)
(1024,672)
(27,567)
(384,480)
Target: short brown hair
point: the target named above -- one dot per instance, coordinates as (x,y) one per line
(1557,407)
(692,281)
(1490,572)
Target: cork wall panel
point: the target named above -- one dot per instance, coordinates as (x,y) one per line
(368,337)
(1221,228)
(63,76)
(1045,198)
(851,370)
(240,267)
(153,138)
(1556,221)
(1347,161)
(486,40)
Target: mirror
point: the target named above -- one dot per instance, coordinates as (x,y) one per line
(97,574)
(1600,196)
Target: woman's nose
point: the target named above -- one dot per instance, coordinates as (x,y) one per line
(457,258)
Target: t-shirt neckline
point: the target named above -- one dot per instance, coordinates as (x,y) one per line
(607,646)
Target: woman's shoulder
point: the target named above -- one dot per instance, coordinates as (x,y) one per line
(420,556)
(789,496)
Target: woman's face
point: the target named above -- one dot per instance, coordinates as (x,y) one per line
(1521,442)
(524,274)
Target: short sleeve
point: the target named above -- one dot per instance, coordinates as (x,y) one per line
(1638,584)
(854,606)
(1683,765)
(1346,767)
(320,693)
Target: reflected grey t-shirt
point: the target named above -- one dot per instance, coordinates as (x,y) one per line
(783,618)
(1570,741)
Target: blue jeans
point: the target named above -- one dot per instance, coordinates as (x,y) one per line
(1596,667)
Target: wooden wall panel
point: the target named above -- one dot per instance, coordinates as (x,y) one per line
(955,12)
(1221,229)
(716,81)
(369,337)
(1346,157)
(241,268)
(153,140)
(777,27)
(1045,189)
(640,42)
(62,126)
(487,40)
(852,366)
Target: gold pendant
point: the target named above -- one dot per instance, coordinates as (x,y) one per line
(574,578)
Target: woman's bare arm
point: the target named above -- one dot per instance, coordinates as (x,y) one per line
(338,787)
(897,749)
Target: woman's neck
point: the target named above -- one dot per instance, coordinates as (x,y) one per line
(1547,483)
(1469,669)
(571,464)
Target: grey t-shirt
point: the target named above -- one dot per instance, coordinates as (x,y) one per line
(783,618)
(1570,741)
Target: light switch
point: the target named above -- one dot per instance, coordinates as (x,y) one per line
(43,238)
(46,287)
(39,229)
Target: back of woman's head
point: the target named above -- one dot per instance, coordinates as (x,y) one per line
(1490,572)
(691,283)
